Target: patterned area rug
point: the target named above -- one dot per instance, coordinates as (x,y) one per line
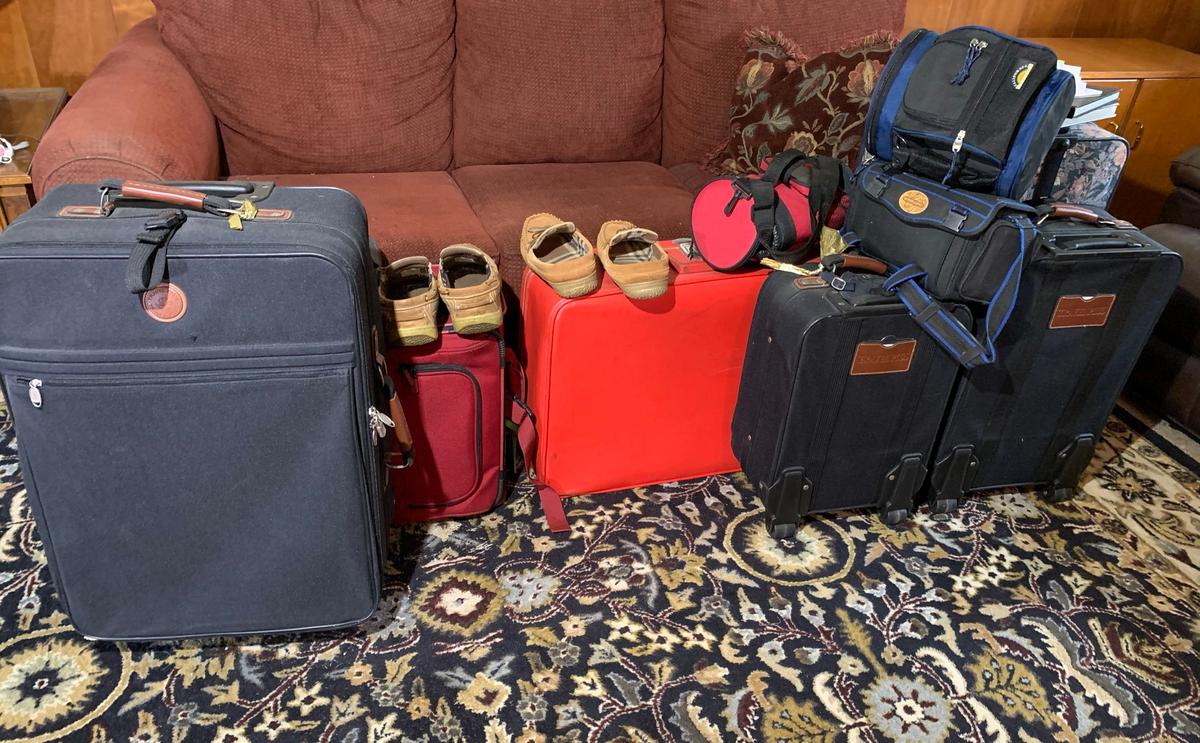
(669,615)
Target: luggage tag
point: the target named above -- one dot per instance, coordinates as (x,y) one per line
(246,210)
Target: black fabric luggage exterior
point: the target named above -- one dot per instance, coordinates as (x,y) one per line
(218,474)
(967,243)
(972,108)
(966,247)
(840,400)
(1087,305)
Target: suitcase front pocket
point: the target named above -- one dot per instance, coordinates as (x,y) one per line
(200,502)
(444,405)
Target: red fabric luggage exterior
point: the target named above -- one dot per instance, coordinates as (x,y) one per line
(455,398)
(628,393)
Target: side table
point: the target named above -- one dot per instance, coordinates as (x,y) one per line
(25,115)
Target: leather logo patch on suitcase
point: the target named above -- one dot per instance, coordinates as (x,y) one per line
(1082,312)
(165,302)
(894,357)
(913,201)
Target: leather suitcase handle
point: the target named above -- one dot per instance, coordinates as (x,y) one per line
(865,263)
(163,193)
(1083,214)
(855,262)
(1073,211)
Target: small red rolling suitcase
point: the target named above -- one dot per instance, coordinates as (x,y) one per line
(627,393)
(456,400)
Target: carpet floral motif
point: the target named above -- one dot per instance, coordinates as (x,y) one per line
(669,615)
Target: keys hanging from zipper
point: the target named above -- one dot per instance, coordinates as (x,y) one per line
(380,423)
(973,52)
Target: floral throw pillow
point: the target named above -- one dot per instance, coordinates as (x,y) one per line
(783,101)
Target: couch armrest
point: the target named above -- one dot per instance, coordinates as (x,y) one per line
(139,115)
(1185,169)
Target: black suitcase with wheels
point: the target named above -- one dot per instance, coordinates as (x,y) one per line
(841,397)
(194,385)
(1086,307)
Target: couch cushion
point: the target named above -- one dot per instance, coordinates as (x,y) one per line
(702,56)
(539,81)
(322,87)
(588,194)
(407,213)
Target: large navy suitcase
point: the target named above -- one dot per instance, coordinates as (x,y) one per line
(841,397)
(197,405)
(1087,304)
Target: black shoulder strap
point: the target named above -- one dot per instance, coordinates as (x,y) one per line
(827,178)
(931,315)
(782,165)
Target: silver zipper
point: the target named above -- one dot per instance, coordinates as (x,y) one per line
(380,423)
(958,141)
(35,392)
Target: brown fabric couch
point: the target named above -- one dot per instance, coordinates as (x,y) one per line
(1168,372)
(451,119)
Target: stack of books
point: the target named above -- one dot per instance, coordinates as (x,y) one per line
(1091,104)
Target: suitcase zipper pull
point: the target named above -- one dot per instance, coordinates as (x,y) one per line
(955,148)
(35,392)
(380,423)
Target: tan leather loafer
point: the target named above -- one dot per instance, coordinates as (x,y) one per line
(558,253)
(410,302)
(632,258)
(469,283)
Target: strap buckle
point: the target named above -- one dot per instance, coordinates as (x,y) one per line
(405,457)
(876,185)
(838,283)
(166,220)
(956,218)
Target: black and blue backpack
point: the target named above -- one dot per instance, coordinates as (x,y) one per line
(971,108)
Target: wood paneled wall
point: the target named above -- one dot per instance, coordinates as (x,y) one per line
(58,42)
(1174,22)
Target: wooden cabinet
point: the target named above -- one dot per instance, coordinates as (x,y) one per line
(1159,111)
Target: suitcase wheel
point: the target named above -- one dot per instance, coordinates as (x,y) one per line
(783,531)
(892,518)
(944,505)
(1057,495)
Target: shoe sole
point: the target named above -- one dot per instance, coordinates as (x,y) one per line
(574,287)
(643,290)
(414,337)
(473,324)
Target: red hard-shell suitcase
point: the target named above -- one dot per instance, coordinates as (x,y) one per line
(456,401)
(627,393)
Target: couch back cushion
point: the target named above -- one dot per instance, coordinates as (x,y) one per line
(321,87)
(702,56)
(540,81)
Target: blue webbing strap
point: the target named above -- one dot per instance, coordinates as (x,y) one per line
(943,326)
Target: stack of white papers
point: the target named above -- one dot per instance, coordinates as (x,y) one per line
(1091,104)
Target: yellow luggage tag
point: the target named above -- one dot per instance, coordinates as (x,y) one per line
(246,210)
